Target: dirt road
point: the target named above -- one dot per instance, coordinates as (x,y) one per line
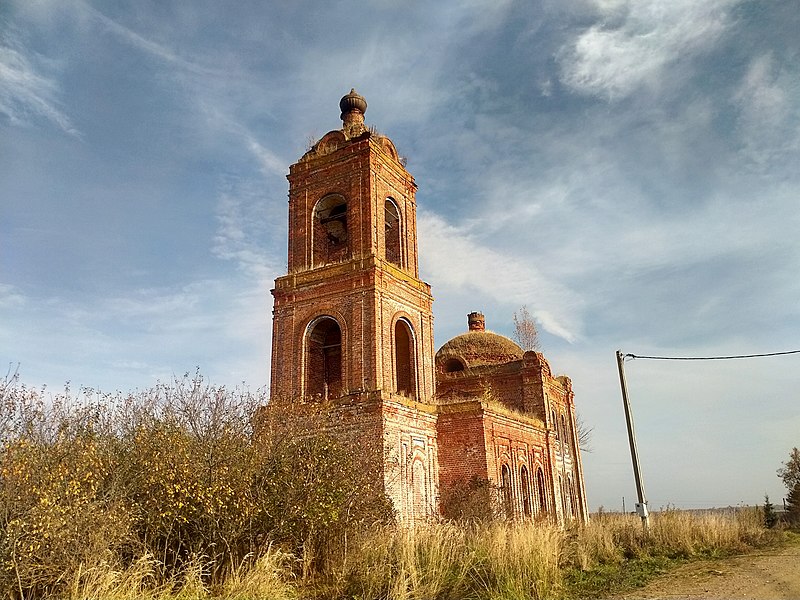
(763,575)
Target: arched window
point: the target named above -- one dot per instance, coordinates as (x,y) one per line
(564,433)
(393,235)
(573,499)
(526,491)
(453,365)
(554,422)
(330,230)
(324,359)
(404,359)
(540,491)
(563,495)
(508,492)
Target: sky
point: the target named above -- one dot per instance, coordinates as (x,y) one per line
(626,169)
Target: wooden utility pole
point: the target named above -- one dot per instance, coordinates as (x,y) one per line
(641,506)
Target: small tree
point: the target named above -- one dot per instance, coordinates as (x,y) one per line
(770,516)
(790,471)
(584,434)
(526,334)
(793,505)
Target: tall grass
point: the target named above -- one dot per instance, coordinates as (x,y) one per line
(516,561)
(445,561)
(174,493)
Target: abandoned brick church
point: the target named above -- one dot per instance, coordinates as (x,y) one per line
(353,324)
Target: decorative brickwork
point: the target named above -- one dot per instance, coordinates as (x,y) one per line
(352,325)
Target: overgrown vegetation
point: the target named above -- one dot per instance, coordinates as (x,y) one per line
(166,488)
(191,491)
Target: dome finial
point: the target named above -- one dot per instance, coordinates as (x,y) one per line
(353,107)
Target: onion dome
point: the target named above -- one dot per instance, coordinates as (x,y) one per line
(352,101)
(353,108)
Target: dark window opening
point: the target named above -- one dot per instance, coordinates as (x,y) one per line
(324,363)
(573,499)
(330,240)
(392,235)
(526,491)
(508,493)
(404,359)
(453,365)
(540,491)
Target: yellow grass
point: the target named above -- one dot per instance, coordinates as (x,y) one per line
(496,561)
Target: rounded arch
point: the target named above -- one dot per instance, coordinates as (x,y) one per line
(393,235)
(405,364)
(323,360)
(329,230)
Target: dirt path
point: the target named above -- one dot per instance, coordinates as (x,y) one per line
(763,575)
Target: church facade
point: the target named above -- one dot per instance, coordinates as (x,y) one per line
(353,325)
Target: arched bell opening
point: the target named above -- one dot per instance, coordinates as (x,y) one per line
(324,359)
(392,233)
(404,359)
(330,237)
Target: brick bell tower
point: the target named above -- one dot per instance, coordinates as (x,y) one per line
(352,320)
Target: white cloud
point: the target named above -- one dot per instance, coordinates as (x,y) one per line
(636,41)
(27,93)
(768,123)
(242,224)
(455,260)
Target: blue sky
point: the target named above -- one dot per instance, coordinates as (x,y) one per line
(626,169)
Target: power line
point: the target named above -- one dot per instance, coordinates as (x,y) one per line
(635,356)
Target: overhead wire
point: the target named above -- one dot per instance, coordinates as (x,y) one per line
(737,356)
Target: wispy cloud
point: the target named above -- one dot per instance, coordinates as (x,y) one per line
(768,121)
(455,260)
(243,229)
(635,41)
(131,37)
(29,91)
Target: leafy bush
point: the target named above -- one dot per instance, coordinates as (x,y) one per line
(93,483)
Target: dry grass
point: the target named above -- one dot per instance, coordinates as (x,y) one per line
(446,561)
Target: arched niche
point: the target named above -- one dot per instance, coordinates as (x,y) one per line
(540,491)
(525,480)
(507,491)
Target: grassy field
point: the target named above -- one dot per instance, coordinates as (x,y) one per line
(450,561)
